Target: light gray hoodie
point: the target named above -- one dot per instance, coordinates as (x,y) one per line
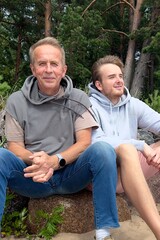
(119,123)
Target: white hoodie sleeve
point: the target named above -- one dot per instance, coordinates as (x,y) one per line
(148,119)
(99,135)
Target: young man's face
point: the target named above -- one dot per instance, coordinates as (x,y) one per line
(112,85)
(48,68)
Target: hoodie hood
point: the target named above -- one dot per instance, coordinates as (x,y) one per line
(103,100)
(48,122)
(31,92)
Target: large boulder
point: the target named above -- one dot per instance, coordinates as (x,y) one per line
(78,214)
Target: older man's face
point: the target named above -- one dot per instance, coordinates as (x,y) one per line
(48,68)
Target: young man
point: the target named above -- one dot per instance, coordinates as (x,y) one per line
(119,116)
(48,130)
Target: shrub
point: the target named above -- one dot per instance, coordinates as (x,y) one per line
(154,100)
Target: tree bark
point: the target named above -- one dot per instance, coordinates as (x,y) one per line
(121,36)
(129,64)
(140,73)
(145,66)
(48,14)
(18,57)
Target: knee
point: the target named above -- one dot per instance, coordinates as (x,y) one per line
(105,154)
(124,150)
(125,147)
(103,148)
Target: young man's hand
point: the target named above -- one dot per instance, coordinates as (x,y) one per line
(152,155)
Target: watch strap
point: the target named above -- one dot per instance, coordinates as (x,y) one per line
(59,156)
(62,161)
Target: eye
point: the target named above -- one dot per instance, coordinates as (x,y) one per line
(111,76)
(54,64)
(42,64)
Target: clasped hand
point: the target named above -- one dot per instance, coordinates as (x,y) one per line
(152,156)
(41,169)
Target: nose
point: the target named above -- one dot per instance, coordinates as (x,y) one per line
(48,67)
(119,79)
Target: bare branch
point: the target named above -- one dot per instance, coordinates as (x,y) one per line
(116,31)
(121,2)
(88,7)
(128,4)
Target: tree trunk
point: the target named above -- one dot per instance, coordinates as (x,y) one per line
(141,73)
(48,14)
(129,64)
(18,58)
(121,35)
(144,69)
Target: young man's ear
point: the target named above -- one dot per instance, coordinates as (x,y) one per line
(98,85)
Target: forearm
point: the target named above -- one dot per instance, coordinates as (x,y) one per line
(20,151)
(70,155)
(155,145)
(73,152)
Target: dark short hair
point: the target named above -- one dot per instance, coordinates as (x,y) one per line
(105,60)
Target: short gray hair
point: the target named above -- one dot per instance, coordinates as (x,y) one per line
(46,41)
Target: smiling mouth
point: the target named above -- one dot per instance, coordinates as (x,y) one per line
(119,87)
(49,78)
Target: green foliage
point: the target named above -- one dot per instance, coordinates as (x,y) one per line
(51,221)
(154,48)
(4,92)
(87,29)
(4,89)
(81,37)
(3,141)
(14,222)
(154,100)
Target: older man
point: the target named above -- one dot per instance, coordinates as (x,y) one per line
(48,130)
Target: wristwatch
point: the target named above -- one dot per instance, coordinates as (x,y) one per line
(62,161)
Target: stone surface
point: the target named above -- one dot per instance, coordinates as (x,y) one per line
(154,185)
(147,136)
(78,211)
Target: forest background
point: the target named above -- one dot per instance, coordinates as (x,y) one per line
(88,30)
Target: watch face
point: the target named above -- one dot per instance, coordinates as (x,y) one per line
(62,162)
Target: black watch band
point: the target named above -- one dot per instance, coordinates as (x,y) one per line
(62,161)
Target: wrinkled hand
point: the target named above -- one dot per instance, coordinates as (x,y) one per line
(41,169)
(152,156)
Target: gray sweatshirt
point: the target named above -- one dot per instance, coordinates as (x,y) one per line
(119,123)
(47,121)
